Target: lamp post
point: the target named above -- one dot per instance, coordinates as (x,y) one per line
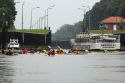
(83,16)
(45,20)
(31,16)
(17,2)
(22,21)
(89,16)
(47,14)
(39,22)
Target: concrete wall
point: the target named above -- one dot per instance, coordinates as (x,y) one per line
(29,38)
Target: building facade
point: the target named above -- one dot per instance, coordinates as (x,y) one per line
(114,23)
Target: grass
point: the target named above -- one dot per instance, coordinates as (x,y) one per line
(35,31)
(45,31)
(106,31)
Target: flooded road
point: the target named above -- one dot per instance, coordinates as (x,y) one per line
(89,68)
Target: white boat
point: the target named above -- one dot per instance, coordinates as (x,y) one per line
(86,41)
(81,41)
(102,42)
(13,43)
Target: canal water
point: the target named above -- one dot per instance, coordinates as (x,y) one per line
(86,68)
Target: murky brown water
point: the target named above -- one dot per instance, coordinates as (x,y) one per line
(89,68)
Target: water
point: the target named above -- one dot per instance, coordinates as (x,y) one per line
(87,68)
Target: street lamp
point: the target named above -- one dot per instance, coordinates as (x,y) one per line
(41,22)
(89,16)
(22,4)
(31,16)
(45,20)
(46,12)
(83,15)
(17,2)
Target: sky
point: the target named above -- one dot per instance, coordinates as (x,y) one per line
(64,12)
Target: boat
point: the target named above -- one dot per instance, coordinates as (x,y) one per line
(86,41)
(13,44)
(12,52)
(59,50)
(105,43)
(81,42)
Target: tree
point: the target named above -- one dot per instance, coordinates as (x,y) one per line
(66,32)
(7,7)
(104,9)
(100,11)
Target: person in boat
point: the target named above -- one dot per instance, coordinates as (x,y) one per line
(9,52)
(70,50)
(32,51)
(3,52)
(24,51)
(59,50)
(51,52)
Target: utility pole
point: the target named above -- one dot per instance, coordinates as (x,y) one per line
(89,17)
(48,15)
(32,16)
(84,19)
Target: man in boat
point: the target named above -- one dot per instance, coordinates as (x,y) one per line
(59,50)
(51,52)
(9,52)
(24,51)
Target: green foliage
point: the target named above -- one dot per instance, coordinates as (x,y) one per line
(106,31)
(7,7)
(36,31)
(104,9)
(66,32)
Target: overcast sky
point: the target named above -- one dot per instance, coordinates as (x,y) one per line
(64,12)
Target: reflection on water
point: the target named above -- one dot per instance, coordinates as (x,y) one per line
(6,70)
(87,68)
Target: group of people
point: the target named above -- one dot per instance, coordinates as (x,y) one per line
(52,51)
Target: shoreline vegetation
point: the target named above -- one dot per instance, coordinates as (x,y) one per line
(45,31)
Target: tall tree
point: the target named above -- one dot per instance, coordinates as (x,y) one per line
(104,9)
(66,32)
(7,7)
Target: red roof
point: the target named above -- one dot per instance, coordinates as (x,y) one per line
(113,19)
